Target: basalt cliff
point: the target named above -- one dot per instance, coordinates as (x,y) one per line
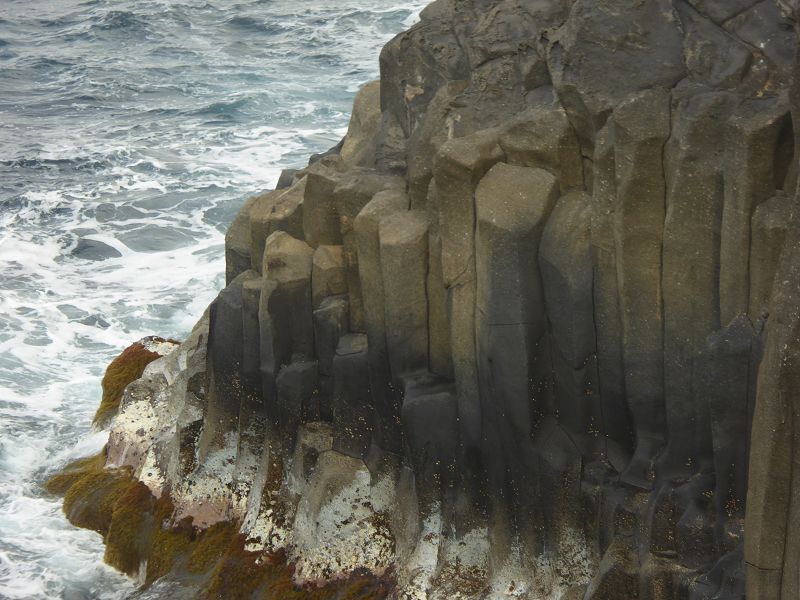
(531,331)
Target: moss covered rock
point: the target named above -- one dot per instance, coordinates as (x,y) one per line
(126,368)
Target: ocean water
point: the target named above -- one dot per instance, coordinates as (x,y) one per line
(130,133)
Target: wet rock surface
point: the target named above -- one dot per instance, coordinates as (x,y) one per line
(511,339)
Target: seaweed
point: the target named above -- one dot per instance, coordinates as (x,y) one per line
(124,369)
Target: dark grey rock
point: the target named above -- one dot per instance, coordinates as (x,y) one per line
(89,249)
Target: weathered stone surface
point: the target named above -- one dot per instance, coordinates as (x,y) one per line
(328,274)
(459,166)
(352,401)
(712,55)
(237,243)
(543,137)
(285,311)
(641,127)
(281,210)
(367,234)
(751,145)
(642,41)
(360,143)
(352,194)
(770,221)
(404,264)
(770,551)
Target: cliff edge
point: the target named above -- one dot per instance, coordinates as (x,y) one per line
(510,338)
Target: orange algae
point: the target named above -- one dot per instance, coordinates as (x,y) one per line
(124,369)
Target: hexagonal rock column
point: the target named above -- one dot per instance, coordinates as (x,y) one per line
(330,324)
(281,210)
(227,387)
(356,188)
(298,388)
(404,264)
(460,164)
(512,206)
(352,401)
(328,274)
(772,550)
(429,422)
(320,221)
(690,262)
(641,127)
(565,262)
(543,137)
(752,145)
(367,233)
(607,313)
(237,243)
(285,315)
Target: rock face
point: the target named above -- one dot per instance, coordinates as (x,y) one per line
(511,341)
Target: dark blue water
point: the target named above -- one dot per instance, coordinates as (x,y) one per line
(130,132)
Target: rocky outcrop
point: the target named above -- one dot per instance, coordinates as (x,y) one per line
(510,339)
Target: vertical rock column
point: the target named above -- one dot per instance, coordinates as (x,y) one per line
(404,263)
(367,234)
(690,273)
(227,389)
(772,551)
(642,126)
(351,195)
(752,140)
(459,166)
(512,206)
(565,262)
(607,311)
(285,317)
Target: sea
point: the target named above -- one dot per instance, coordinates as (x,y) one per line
(131,131)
